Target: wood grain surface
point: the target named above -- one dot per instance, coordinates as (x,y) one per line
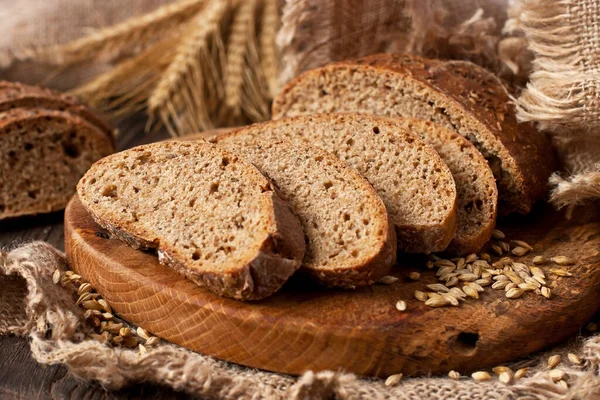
(307,327)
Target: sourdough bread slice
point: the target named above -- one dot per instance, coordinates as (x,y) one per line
(16,95)
(477,194)
(349,240)
(213,217)
(460,96)
(43,154)
(409,176)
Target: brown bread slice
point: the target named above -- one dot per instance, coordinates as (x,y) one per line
(413,182)
(213,217)
(477,194)
(16,95)
(43,154)
(349,240)
(458,95)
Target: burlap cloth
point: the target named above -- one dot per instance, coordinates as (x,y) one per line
(32,305)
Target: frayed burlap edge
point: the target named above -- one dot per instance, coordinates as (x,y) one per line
(54,325)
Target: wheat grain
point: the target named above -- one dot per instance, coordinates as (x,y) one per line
(471,292)
(562,260)
(421,296)
(500,369)
(437,287)
(553,361)
(514,293)
(454,375)
(56,276)
(152,341)
(539,260)
(523,244)
(574,359)
(560,272)
(401,305)
(556,374)
(414,276)
(520,251)
(481,376)
(388,280)
(521,373)
(505,377)
(471,258)
(498,234)
(393,380)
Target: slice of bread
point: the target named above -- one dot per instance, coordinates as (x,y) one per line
(349,240)
(477,194)
(458,95)
(409,176)
(16,95)
(43,154)
(213,217)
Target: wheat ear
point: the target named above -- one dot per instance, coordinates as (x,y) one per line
(269,54)
(176,99)
(124,89)
(255,98)
(242,34)
(113,41)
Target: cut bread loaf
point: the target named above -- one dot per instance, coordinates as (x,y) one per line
(411,179)
(349,240)
(16,95)
(213,217)
(43,153)
(477,195)
(458,95)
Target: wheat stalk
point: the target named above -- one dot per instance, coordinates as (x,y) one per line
(241,38)
(114,41)
(268,49)
(255,100)
(176,98)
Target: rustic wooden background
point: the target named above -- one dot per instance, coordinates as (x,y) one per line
(21,377)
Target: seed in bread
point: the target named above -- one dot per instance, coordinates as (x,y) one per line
(413,182)
(349,239)
(458,95)
(43,153)
(213,217)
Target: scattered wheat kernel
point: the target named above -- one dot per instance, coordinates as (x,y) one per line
(553,361)
(539,260)
(546,292)
(393,380)
(437,287)
(114,327)
(562,383)
(485,257)
(445,271)
(537,271)
(97,337)
(436,302)
(461,263)
(527,287)
(56,276)
(414,276)
(520,251)
(496,249)
(401,305)
(541,280)
(92,305)
(452,281)
(142,350)
(84,288)
(505,377)
(83,297)
(484,282)
(504,246)
(480,376)
(475,286)
(142,333)
(562,260)
(574,358)
(75,277)
(592,327)
(88,314)
(454,375)
(104,305)
(500,285)
(118,339)
(556,374)
(388,280)
(468,277)
(560,272)
(152,341)
(521,373)
(456,292)
(450,299)
(471,292)
(130,341)
(498,234)
(429,264)
(514,278)
(444,263)
(471,258)
(421,296)
(523,244)
(69,273)
(125,331)
(500,369)
(511,285)
(514,293)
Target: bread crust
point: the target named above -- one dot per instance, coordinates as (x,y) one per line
(17,116)
(277,257)
(478,95)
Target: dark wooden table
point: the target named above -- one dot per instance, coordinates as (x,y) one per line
(21,377)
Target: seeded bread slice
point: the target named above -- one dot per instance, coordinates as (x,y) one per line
(458,95)
(16,95)
(477,194)
(409,176)
(43,154)
(349,240)
(213,217)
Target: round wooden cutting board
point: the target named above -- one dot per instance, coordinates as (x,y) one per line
(305,327)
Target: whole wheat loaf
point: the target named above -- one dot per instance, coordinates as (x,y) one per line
(411,179)
(349,240)
(43,153)
(213,217)
(455,94)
